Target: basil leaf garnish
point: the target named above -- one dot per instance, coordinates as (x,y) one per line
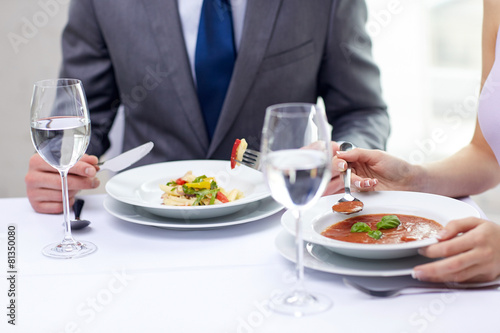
(360,227)
(189,190)
(202,194)
(199,179)
(214,195)
(375,234)
(388,222)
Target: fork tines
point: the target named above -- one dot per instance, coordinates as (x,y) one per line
(251,158)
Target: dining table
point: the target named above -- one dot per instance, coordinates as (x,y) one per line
(146,278)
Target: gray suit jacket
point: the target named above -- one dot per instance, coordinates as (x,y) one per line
(132,53)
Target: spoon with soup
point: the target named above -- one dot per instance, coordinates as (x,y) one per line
(348,204)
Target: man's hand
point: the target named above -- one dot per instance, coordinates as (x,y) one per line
(43,182)
(336,184)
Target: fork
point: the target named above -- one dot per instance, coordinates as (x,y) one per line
(251,158)
(421,289)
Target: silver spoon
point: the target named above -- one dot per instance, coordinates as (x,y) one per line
(347,204)
(77,223)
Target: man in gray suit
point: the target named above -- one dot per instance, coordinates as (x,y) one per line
(139,54)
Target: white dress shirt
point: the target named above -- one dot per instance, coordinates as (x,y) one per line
(190,11)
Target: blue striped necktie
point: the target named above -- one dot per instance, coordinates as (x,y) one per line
(214,59)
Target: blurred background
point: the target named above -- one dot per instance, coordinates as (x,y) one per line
(429,52)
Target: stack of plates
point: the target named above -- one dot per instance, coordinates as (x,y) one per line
(135,196)
(329,255)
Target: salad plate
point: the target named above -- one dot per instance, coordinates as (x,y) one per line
(252,212)
(140,187)
(319,258)
(430,206)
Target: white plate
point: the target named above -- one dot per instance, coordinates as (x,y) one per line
(435,207)
(251,212)
(140,187)
(319,258)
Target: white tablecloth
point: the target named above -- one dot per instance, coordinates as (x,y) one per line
(147,279)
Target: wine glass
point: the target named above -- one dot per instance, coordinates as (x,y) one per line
(60,131)
(296,157)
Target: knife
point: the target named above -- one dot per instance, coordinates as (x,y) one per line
(127,158)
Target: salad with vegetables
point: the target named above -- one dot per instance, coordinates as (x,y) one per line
(191,190)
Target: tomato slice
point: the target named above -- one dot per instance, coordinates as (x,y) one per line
(234,152)
(180,181)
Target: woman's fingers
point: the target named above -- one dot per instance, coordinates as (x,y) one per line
(472,256)
(443,270)
(361,183)
(455,227)
(360,155)
(460,268)
(364,184)
(449,246)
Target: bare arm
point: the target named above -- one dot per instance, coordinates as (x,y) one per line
(473,169)
(475,255)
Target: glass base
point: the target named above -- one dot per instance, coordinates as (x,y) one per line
(300,303)
(69,250)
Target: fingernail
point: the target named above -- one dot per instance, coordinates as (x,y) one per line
(342,166)
(367,183)
(375,182)
(442,234)
(357,183)
(96,182)
(417,274)
(89,171)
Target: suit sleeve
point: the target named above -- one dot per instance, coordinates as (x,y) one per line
(349,80)
(85,57)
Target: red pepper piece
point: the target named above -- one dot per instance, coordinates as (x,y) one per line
(179,181)
(221,197)
(233,153)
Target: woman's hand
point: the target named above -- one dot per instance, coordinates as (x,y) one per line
(43,183)
(372,168)
(473,256)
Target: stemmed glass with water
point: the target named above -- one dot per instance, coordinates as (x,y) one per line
(296,159)
(60,131)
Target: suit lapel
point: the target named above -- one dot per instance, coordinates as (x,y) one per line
(259,21)
(167,29)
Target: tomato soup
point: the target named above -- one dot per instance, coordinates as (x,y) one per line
(348,207)
(412,228)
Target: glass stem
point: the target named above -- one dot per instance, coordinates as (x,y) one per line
(299,247)
(68,238)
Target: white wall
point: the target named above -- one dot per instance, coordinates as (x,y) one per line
(29,51)
(431,93)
